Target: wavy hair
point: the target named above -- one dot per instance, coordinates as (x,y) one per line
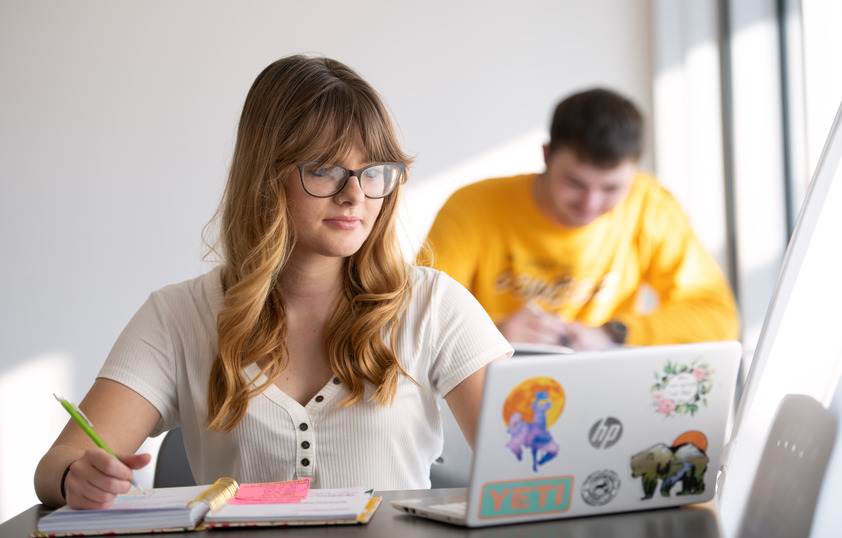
(301,109)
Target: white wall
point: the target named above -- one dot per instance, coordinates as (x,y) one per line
(117,121)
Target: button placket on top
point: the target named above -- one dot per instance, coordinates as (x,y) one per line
(303,419)
(305,433)
(303,427)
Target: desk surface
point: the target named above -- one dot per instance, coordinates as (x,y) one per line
(696,521)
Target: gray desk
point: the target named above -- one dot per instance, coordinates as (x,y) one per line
(687,522)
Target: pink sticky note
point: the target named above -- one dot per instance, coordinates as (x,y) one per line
(291,492)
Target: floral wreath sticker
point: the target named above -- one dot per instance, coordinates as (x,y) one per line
(680,388)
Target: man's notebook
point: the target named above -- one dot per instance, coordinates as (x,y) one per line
(592,433)
(223,504)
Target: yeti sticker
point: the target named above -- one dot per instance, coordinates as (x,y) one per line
(685,462)
(529,410)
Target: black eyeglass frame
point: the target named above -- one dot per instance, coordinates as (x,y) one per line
(348,174)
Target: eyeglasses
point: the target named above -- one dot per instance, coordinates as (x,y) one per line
(376,180)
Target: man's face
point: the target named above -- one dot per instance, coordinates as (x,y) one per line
(575,193)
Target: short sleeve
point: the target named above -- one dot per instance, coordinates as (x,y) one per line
(456,331)
(143,359)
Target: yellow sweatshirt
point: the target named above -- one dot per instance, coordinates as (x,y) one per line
(491,237)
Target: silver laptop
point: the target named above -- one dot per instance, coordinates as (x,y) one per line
(580,434)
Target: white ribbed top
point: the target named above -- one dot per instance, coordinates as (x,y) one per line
(166,351)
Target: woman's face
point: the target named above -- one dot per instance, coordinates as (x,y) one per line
(333,227)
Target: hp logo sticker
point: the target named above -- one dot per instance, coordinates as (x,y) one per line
(605,432)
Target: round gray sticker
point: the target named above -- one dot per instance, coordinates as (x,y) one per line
(600,487)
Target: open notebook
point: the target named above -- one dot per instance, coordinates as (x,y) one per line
(222,504)
(591,433)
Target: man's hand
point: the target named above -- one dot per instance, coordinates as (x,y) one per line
(586,338)
(532,326)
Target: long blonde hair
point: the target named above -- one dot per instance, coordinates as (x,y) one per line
(303,109)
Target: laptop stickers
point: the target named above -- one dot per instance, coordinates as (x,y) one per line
(593,433)
(600,487)
(681,389)
(683,461)
(543,495)
(669,468)
(528,411)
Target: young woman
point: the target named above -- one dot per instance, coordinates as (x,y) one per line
(313,350)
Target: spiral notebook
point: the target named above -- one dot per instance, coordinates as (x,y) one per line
(216,505)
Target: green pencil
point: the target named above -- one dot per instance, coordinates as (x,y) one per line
(88,428)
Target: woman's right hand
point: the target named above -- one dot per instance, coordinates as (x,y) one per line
(95,476)
(95,479)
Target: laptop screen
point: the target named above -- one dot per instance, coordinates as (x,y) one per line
(800,346)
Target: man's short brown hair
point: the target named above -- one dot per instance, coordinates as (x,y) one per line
(602,127)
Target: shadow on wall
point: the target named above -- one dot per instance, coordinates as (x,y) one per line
(30,420)
(26,398)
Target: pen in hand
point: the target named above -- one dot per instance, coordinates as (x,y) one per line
(77,415)
(536,310)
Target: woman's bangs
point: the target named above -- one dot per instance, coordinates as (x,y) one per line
(320,137)
(336,123)
(378,135)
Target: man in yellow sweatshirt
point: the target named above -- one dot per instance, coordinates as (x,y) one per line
(560,257)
